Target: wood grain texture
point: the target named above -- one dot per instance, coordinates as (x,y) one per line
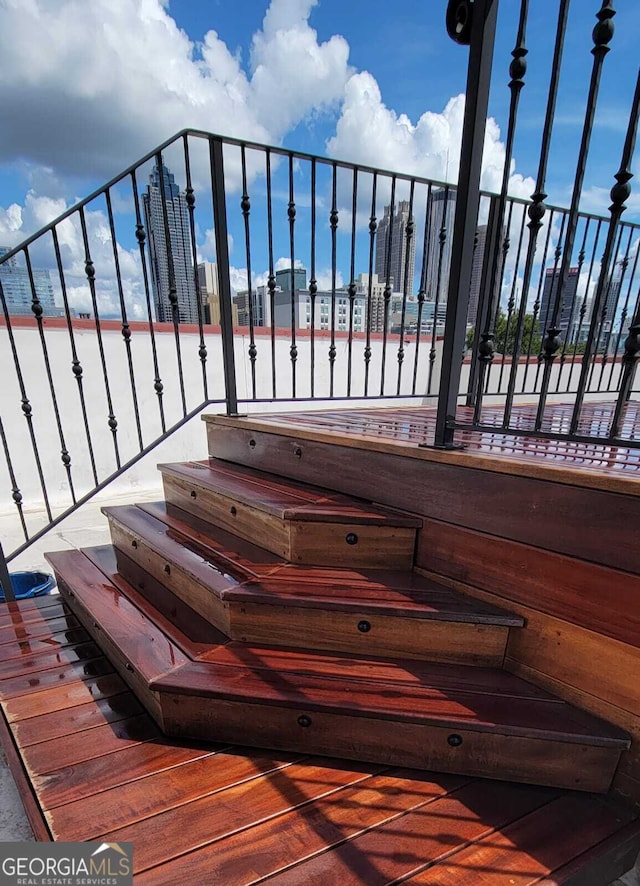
(487,754)
(596,597)
(27,683)
(560,656)
(393,637)
(67,693)
(423,836)
(342,809)
(28,798)
(531,510)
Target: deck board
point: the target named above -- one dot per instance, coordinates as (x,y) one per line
(205,813)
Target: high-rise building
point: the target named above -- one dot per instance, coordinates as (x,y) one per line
(391,265)
(176,249)
(440,235)
(16,288)
(208,291)
(569,309)
(476,275)
(376,313)
(283,279)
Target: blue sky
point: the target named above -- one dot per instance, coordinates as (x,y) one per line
(87,88)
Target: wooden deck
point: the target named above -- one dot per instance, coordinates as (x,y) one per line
(90,764)
(410,430)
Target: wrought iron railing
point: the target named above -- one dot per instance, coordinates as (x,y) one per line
(332,281)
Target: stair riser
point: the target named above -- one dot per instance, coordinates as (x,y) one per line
(389,636)
(512,758)
(317,543)
(338,631)
(173,577)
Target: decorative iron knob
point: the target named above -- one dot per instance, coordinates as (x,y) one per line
(304,721)
(364,626)
(351,538)
(455,740)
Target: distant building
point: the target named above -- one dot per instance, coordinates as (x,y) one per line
(283,279)
(440,236)
(391,264)
(176,248)
(322,313)
(377,286)
(259,298)
(569,308)
(17,292)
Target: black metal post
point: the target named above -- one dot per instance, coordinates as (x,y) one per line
(5,579)
(224,280)
(483,15)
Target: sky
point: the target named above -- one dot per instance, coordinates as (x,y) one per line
(86,88)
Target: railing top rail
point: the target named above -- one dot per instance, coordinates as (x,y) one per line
(280,151)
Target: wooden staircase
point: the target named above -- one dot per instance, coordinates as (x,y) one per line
(267,612)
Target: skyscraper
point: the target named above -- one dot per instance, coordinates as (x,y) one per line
(392,264)
(569,309)
(441,215)
(16,289)
(177,248)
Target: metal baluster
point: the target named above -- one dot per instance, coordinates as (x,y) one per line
(245,206)
(271,280)
(313,283)
(486,352)
(423,285)
(536,304)
(619,194)
(511,304)
(554,278)
(629,364)
(373,227)
(141,237)
(333,223)
(481,38)
(126,330)
(583,306)
(606,305)
(5,579)
(517,71)
(352,273)
(602,34)
(483,314)
(574,300)
(291,215)
(216,162)
(173,292)
(36,308)
(16,495)
(387,284)
(407,282)
(536,212)
(190,199)
(442,239)
(623,316)
(90,271)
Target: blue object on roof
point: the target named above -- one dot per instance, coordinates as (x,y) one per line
(30,584)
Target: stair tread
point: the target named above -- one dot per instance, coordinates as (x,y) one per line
(271,580)
(286,499)
(456,696)
(454,708)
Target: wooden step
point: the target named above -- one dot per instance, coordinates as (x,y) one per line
(253,596)
(206,814)
(475,721)
(301,523)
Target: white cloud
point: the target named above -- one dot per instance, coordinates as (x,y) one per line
(370,133)
(83,83)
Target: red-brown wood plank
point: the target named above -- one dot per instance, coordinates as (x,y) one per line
(532,848)
(56,724)
(24,632)
(398,848)
(22,684)
(440,677)
(381,808)
(68,750)
(414,704)
(249,806)
(157,793)
(64,694)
